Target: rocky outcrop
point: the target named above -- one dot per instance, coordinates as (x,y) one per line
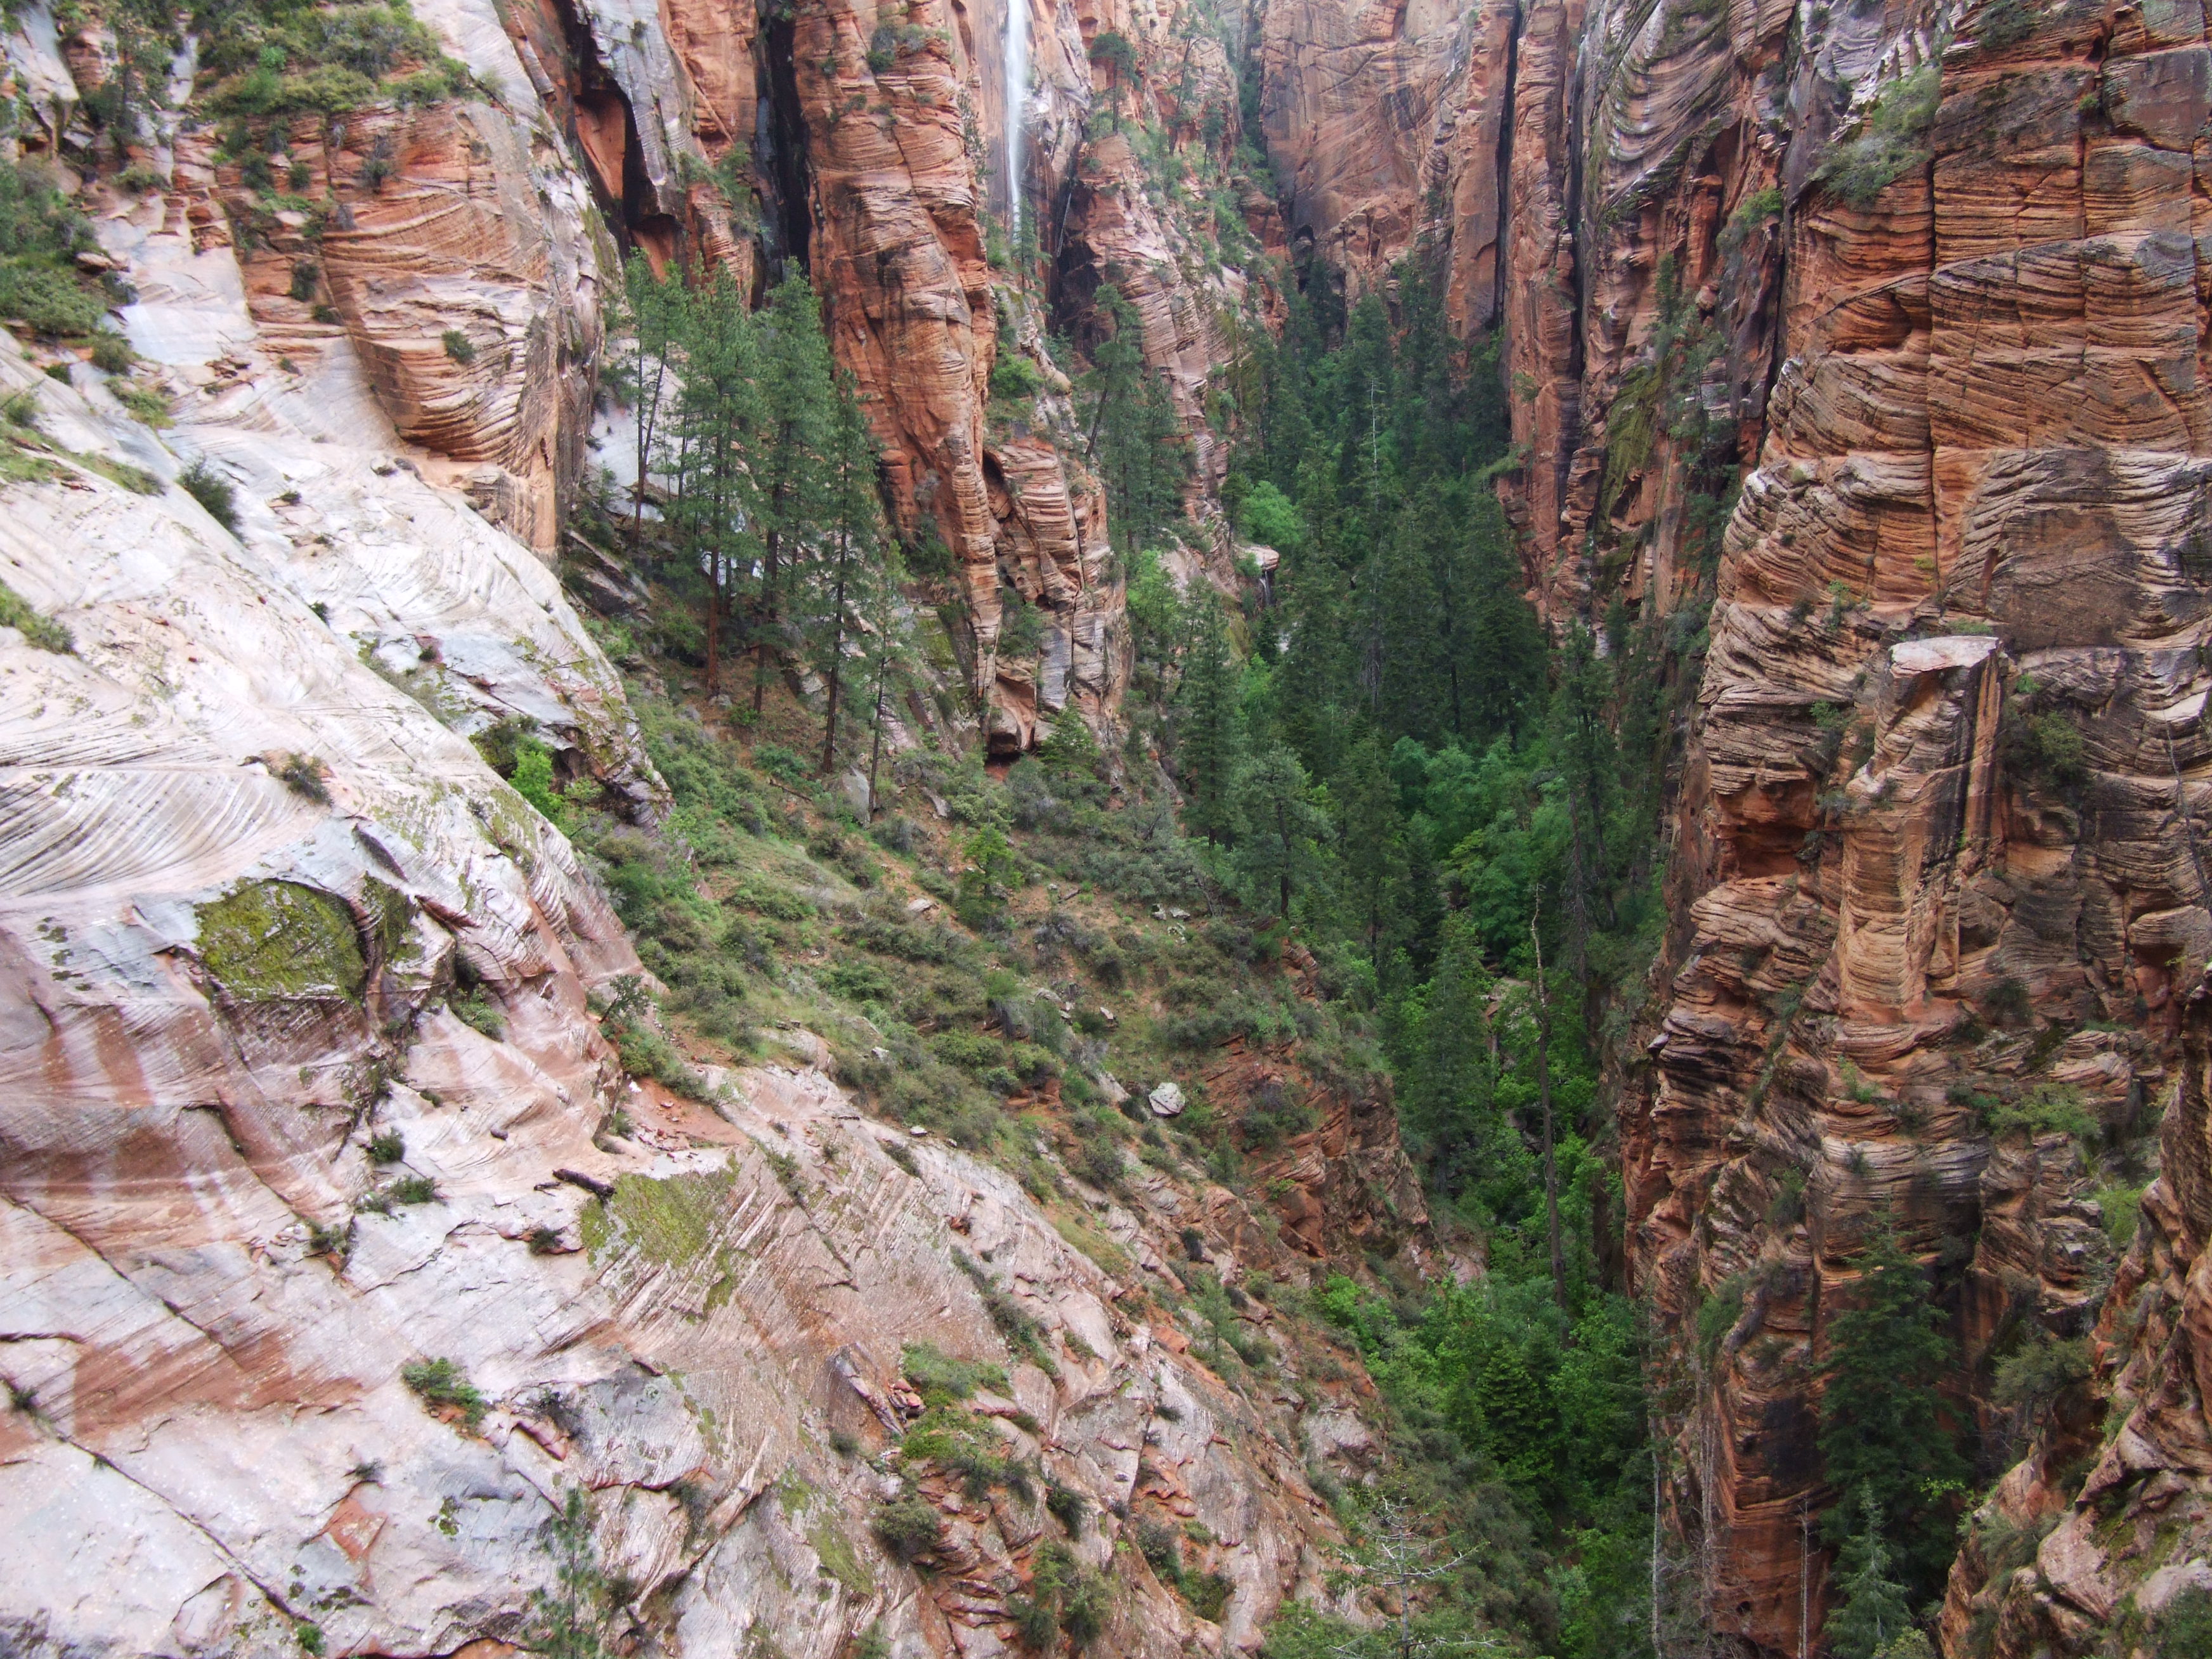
(2102,1532)
(340,1250)
(1936,830)
(1919,277)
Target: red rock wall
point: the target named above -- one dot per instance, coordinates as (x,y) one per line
(1383,122)
(1967,418)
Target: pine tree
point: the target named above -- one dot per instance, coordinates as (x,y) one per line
(1373,843)
(714,517)
(852,562)
(1313,676)
(1280,828)
(1209,727)
(1497,653)
(1872,1612)
(569,1621)
(1452,1070)
(1583,742)
(653,313)
(792,466)
(1135,439)
(1883,1429)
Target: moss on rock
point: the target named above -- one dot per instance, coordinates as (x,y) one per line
(272,939)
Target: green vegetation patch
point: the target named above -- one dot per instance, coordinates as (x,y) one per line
(43,632)
(40,236)
(837,1553)
(287,57)
(272,939)
(670,1220)
(442,1382)
(1892,143)
(941,1380)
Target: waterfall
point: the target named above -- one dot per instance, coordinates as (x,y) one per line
(1017,88)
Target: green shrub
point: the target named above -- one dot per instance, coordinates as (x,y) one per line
(112,353)
(42,632)
(1067,1506)
(286,56)
(2052,746)
(1206,1593)
(940,1379)
(906,1527)
(387,1147)
(2122,1208)
(442,1382)
(48,300)
(458,346)
(787,764)
(306,776)
(146,405)
(1101,1163)
(1275,1115)
(1021,625)
(1755,210)
(474,1007)
(40,234)
(1889,145)
(2045,1109)
(2183,1629)
(1035,1626)
(858,981)
(1161,1546)
(2042,1370)
(533,780)
(212,491)
(412,1189)
(1015,378)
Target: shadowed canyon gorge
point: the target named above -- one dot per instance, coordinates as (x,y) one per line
(1149,827)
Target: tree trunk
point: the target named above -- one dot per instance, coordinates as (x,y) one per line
(648,415)
(836,649)
(1544,1095)
(876,740)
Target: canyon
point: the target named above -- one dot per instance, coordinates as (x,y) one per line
(1860,346)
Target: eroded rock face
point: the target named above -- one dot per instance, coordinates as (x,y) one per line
(252,886)
(1961,551)
(293,1015)
(1385,121)
(1932,839)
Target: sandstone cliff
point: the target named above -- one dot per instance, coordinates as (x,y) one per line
(871,145)
(1923,279)
(307,1088)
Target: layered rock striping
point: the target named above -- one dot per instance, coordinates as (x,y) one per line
(1926,279)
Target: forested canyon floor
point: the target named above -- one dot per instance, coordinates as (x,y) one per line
(1363,829)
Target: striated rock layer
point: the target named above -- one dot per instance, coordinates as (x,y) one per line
(1924,279)
(303,1086)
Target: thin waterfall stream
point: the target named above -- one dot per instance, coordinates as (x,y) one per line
(1018,85)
